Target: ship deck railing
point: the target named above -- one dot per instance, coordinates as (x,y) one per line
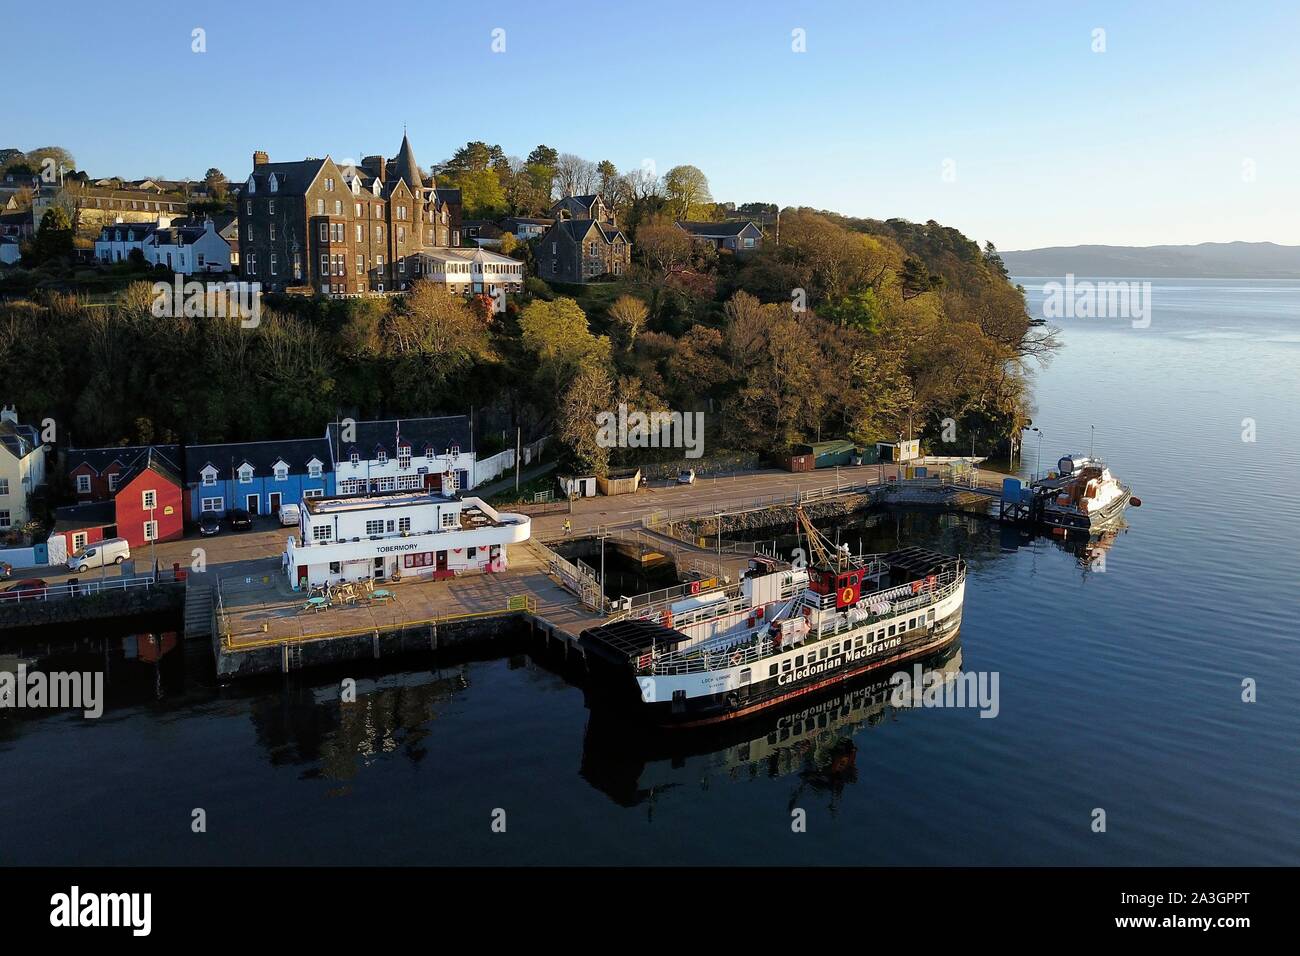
(736,652)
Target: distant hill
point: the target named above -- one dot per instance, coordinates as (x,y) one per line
(1209,260)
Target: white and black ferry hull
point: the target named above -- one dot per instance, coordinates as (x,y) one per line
(710,697)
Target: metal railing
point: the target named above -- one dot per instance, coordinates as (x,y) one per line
(89,586)
(736,652)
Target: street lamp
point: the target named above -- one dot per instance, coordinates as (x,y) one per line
(1038,457)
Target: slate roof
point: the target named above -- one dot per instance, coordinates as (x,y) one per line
(125,455)
(19,440)
(578,229)
(169,236)
(716,230)
(262,455)
(139,231)
(294,178)
(439,433)
(446,194)
(94,514)
(150,460)
(225,224)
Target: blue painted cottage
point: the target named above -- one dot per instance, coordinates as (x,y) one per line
(257,476)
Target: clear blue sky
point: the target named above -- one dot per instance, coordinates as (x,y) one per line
(1051,143)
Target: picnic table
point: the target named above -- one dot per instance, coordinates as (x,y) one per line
(381,595)
(315,604)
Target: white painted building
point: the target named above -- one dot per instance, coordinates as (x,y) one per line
(188,249)
(400,535)
(404,454)
(22,468)
(117,241)
(467,271)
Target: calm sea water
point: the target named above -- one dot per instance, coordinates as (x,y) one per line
(1120,684)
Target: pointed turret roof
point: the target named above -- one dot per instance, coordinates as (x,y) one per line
(405,166)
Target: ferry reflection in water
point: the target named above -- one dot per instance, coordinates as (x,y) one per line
(813,741)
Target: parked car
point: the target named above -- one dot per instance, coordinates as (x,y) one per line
(99,554)
(289,515)
(686,476)
(239,519)
(26,588)
(210,522)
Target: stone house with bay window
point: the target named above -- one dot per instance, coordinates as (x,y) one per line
(582,250)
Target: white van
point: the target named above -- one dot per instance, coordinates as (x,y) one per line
(108,551)
(288,515)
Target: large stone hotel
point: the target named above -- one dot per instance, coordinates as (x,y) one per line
(344,229)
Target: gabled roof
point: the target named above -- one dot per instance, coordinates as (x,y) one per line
(100,458)
(149,460)
(184,236)
(717,230)
(439,433)
(578,230)
(297,453)
(19,440)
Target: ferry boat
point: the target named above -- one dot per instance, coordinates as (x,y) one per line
(1083,495)
(786,633)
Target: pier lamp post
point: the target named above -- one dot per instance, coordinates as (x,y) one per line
(1038,457)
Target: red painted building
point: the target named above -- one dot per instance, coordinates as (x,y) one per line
(95,474)
(150,502)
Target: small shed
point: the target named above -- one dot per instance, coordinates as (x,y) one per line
(899,450)
(827,454)
(623,481)
(797,462)
(578,486)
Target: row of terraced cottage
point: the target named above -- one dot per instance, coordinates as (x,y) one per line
(150,493)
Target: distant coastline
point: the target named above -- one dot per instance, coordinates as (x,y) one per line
(1208,260)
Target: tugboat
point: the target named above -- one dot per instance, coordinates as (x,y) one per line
(784,634)
(1083,495)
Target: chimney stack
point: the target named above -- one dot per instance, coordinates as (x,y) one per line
(260,158)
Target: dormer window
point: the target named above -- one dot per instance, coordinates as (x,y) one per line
(454,450)
(428,451)
(382,457)
(274,183)
(313,468)
(245,474)
(355,458)
(403,456)
(281,471)
(209,475)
